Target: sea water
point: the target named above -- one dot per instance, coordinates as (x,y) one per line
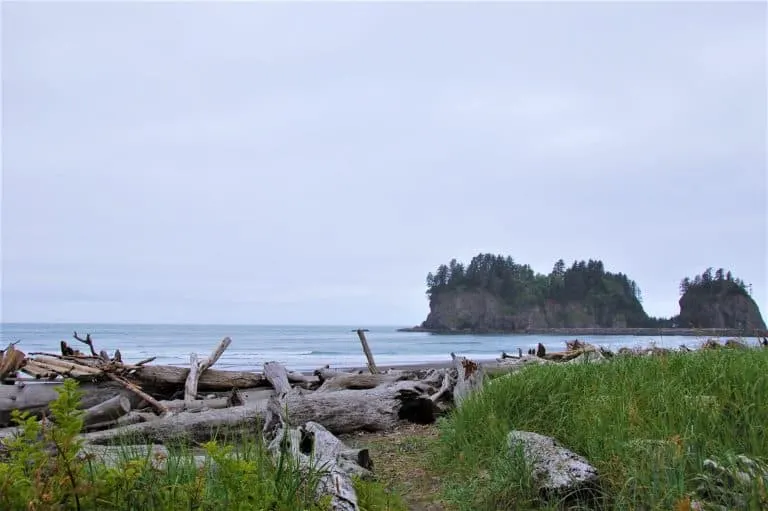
(301,348)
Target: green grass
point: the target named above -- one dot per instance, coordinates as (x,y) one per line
(238,474)
(646,423)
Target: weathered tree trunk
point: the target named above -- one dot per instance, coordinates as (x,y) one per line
(311,446)
(470,378)
(344,411)
(35,397)
(108,410)
(326,373)
(190,427)
(378,409)
(303,380)
(132,417)
(198,405)
(163,379)
(355,381)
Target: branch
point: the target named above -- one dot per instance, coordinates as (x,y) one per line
(87,341)
(136,390)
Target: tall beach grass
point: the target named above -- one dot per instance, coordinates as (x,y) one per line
(646,423)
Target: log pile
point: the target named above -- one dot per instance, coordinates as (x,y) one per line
(296,414)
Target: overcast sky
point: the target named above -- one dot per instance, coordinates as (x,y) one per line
(304,163)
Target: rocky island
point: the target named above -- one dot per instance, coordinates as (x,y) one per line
(495,294)
(718,301)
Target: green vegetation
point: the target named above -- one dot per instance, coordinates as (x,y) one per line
(646,423)
(605,294)
(721,282)
(41,470)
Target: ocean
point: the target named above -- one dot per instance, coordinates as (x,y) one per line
(301,348)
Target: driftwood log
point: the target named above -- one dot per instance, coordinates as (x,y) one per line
(377,409)
(132,417)
(164,379)
(108,410)
(344,411)
(470,376)
(188,427)
(311,445)
(35,397)
(356,381)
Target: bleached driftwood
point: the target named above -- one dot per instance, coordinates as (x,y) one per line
(326,373)
(197,368)
(167,379)
(199,405)
(378,409)
(190,427)
(344,411)
(355,381)
(470,378)
(35,397)
(312,446)
(132,417)
(108,410)
(445,387)
(306,381)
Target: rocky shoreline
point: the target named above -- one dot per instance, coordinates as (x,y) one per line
(646,332)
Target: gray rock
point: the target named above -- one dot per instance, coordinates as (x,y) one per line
(557,472)
(156,455)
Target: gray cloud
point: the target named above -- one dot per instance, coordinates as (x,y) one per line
(284,163)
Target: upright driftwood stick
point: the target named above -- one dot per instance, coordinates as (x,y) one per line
(197,368)
(470,378)
(367,350)
(190,386)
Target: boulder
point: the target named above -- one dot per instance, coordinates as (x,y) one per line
(557,472)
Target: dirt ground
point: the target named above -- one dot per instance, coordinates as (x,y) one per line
(400,460)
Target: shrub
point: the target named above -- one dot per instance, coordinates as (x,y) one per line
(43,470)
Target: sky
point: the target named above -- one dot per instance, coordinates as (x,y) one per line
(307,163)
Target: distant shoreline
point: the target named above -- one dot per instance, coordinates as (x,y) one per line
(644,332)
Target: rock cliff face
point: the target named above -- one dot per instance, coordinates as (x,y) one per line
(480,311)
(722,310)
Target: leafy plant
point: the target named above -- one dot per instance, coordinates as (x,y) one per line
(44,470)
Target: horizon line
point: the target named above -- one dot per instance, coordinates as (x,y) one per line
(154,323)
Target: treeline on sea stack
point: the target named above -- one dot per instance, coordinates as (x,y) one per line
(715,299)
(604,293)
(720,282)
